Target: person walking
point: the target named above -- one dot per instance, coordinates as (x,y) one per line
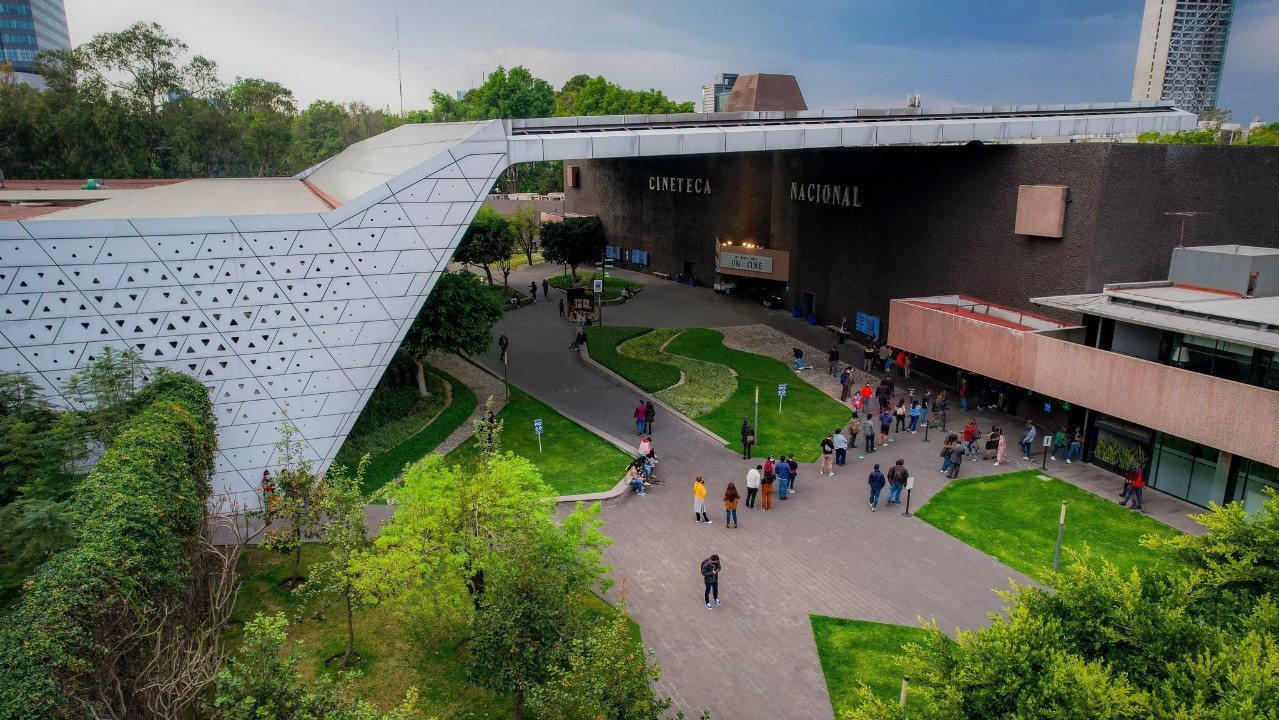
(876,482)
(730,505)
(532,290)
(899,412)
(914,412)
(794,470)
(782,470)
(832,357)
(841,448)
(546,288)
(649,412)
(897,475)
(1076,445)
(640,411)
(1133,493)
(752,485)
(561,307)
(748,439)
(1027,440)
(825,467)
(710,575)
(963,394)
(885,422)
(957,452)
(970,433)
(699,501)
(1000,448)
(766,483)
(1059,444)
(945,451)
(1134,474)
(845,384)
(868,432)
(502,344)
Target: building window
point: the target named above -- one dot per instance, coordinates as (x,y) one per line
(1254,477)
(573,176)
(1185,469)
(1219,358)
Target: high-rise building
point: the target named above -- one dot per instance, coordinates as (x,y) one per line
(1182,52)
(29,26)
(715,94)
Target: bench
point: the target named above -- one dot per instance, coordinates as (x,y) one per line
(618,300)
(662,275)
(841,334)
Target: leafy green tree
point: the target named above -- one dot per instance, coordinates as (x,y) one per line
(606,674)
(564,99)
(344,530)
(262,681)
(1181,137)
(573,241)
(318,132)
(486,241)
(597,96)
(1267,135)
(525,223)
(294,500)
(264,112)
(458,317)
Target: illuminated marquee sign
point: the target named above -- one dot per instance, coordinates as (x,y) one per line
(750,263)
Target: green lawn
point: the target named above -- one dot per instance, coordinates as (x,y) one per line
(650,376)
(572,460)
(394,655)
(387,465)
(855,651)
(1014,518)
(390,417)
(807,414)
(612,285)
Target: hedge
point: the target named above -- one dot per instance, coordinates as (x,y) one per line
(649,376)
(136,516)
(387,466)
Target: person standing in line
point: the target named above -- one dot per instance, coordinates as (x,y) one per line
(841,448)
(897,475)
(752,485)
(1027,440)
(845,384)
(1076,445)
(915,411)
(901,362)
(867,394)
(649,412)
(825,467)
(1000,448)
(546,288)
(748,439)
(794,470)
(963,394)
(868,432)
(925,406)
(730,505)
(782,470)
(710,575)
(640,410)
(532,291)
(699,501)
(876,482)
(868,357)
(766,483)
(956,459)
(885,422)
(561,307)
(882,355)
(888,363)
(1133,493)
(832,358)
(857,404)
(900,413)
(906,365)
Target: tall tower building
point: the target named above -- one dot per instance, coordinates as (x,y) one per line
(29,26)
(1182,52)
(715,94)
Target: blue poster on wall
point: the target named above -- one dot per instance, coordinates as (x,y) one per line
(867,324)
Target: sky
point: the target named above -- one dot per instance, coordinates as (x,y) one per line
(844,53)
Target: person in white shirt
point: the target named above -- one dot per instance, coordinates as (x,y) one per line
(841,448)
(752,485)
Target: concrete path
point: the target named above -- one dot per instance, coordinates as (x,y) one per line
(820,552)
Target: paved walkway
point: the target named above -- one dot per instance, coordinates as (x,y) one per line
(821,552)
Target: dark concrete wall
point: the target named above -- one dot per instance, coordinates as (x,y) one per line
(939,220)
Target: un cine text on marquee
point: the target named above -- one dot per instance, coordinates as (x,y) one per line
(738,261)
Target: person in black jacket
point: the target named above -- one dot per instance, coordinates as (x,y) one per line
(748,439)
(710,575)
(648,417)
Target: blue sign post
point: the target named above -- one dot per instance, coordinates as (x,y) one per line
(781,393)
(537,430)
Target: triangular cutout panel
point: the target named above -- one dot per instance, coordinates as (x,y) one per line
(72,251)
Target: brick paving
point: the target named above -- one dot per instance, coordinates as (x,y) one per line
(820,552)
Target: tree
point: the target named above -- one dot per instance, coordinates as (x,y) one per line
(264,112)
(1267,135)
(486,241)
(573,241)
(317,132)
(597,96)
(458,317)
(524,223)
(294,499)
(345,532)
(1181,137)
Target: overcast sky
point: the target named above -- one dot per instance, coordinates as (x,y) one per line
(845,53)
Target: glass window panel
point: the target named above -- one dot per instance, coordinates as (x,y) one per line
(1172,474)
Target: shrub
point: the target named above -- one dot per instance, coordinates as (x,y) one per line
(648,375)
(81,621)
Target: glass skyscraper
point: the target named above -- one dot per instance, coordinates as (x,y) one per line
(1182,52)
(29,26)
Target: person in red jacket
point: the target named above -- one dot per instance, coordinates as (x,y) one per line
(1134,486)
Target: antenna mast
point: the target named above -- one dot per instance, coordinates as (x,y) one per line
(399,67)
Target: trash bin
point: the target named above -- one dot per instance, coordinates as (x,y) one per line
(692,282)
(794,312)
(812,319)
(679,279)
